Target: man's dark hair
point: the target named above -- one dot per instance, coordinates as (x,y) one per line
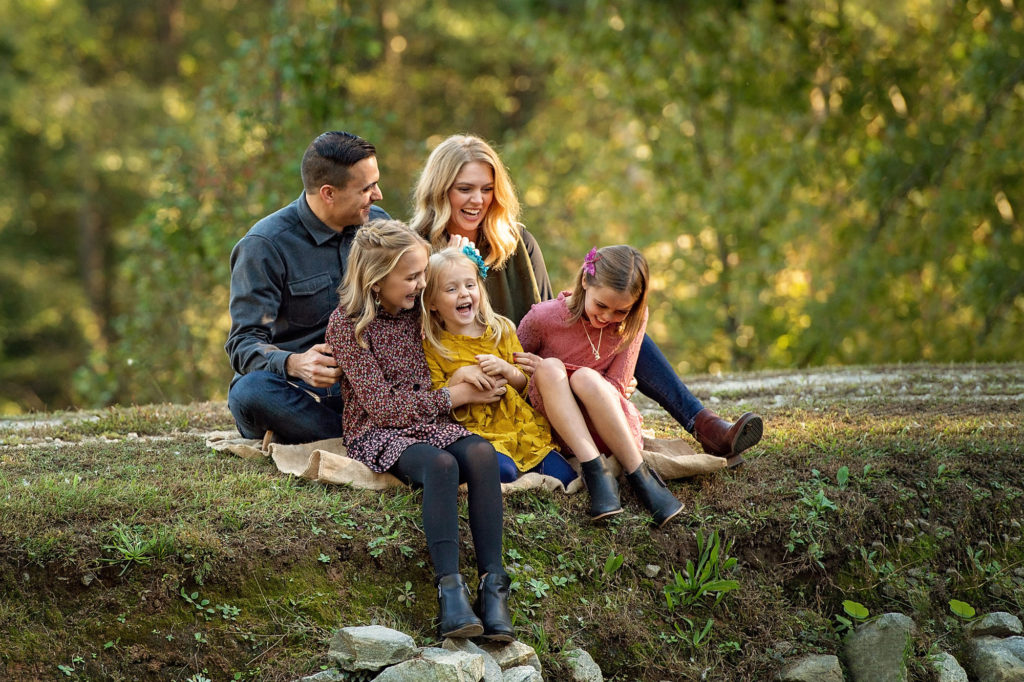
(329,157)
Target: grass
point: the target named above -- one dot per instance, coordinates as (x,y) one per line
(129,550)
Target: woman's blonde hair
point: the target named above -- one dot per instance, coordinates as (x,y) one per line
(439,265)
(623,269)
(376,250)
(433,211)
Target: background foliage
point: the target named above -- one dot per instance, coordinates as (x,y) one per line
(814,181)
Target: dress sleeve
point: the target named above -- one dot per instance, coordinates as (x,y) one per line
(386,405)
(257,283)
(438,377)
(620,371)
(540,269)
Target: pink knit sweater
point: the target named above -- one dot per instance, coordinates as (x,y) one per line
(545,331)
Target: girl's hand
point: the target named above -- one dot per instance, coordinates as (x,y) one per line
(474,376)
(493,366)
(458,241)
(465,393)
(527,361)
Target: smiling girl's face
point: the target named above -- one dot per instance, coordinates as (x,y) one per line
(605,306)
(400,288)
(457,300)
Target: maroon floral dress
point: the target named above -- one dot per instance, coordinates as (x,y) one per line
(389,403)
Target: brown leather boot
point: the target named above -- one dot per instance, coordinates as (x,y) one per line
(722,439)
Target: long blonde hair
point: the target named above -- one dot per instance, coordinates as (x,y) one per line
(620,268)
(376,250)
(433,211)
(439,265)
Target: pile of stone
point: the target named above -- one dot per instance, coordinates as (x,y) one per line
(879,650)
(381,654)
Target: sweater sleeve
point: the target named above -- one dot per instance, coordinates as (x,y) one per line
(528,331)
(540,269)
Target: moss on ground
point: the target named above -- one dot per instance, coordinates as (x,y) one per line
(130,550)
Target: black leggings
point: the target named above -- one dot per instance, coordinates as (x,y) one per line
(471,460)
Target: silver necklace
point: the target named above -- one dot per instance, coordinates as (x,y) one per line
(600,337)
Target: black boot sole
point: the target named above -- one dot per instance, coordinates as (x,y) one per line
(605,515)
(749,435)
(500,637)
(671,516)
(465,632)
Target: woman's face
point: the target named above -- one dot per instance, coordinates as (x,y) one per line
(470,196)
(399,289)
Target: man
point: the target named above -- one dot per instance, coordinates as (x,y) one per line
(285,274)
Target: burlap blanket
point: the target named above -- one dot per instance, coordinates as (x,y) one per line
(325,461)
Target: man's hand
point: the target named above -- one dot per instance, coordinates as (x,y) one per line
(630,388)
(316,366)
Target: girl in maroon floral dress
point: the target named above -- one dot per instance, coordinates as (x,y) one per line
(393,421)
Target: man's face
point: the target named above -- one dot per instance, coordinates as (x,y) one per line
(350,205)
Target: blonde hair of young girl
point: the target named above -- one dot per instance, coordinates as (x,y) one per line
(437,268)
(623,269)
(434,211)
(376,250)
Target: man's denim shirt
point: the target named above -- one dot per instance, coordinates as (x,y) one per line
(285,274)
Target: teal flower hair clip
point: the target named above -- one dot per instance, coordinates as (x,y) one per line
(474,255)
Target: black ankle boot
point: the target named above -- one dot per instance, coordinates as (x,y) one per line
(603,489)
(492,607)
(654,495)
(456,616)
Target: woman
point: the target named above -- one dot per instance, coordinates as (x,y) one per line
(464,193)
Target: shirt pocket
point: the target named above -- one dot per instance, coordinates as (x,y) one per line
(311,300)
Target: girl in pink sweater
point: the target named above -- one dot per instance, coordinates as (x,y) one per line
(582,349)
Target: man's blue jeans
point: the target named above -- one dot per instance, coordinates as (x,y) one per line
(263,401)
(657,380)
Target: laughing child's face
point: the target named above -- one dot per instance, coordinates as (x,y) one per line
(458,299)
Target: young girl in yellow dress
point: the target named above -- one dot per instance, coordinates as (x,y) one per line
(465,341)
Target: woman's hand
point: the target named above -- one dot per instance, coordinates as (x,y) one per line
(473,375)
(527,361)
(458,241)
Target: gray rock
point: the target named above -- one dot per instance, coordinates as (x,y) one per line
(513,654)
(999,624)
(878,650)
(651,570)
(329,675)
(492,671)
(370,647)
(814,668)
(436,665)
(991,659)
(583,667)
(523,673)
(948,668)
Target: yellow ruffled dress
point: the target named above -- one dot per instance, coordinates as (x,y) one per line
(511,424)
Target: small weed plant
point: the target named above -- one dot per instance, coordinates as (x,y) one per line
(688,592)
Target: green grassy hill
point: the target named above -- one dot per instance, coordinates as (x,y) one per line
(130,550)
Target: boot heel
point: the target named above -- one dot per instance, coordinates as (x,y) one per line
(455,614)
(654,494)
